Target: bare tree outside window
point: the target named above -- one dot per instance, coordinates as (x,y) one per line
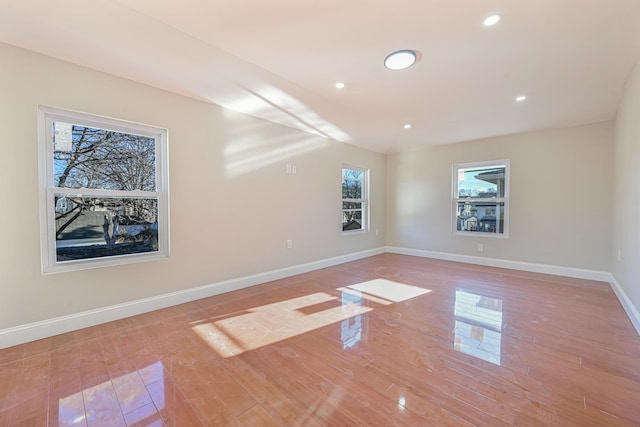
(102,189)
(106,160)
(354,193)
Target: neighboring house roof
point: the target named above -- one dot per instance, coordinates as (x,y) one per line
(492,176)
(352,225)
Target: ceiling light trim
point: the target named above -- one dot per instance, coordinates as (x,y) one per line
(400,59)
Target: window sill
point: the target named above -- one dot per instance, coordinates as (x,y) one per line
(87,264)
(352,232)
(481,234)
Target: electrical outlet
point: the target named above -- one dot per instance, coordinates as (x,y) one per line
(289,244)
(480,247)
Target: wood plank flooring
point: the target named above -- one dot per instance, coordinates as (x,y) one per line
(390,340)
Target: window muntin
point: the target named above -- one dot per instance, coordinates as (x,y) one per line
(104,196)
(354,199)
(481,198)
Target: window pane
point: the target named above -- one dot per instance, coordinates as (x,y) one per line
(354,174)
(96,158)
(91,227)
(352,183)
(480,217)
(354,192)
(351,216)
(351,220)
(481,182)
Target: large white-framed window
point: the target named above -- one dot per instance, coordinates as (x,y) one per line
(104,196)
(355,199)
(480,198)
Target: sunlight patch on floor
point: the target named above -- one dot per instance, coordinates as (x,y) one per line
(271,323)
(389,290)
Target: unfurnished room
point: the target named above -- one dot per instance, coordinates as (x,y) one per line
(320,213)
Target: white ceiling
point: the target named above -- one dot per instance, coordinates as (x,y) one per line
(280,59)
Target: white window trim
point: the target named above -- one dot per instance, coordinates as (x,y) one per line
(46,116)
(364,201)
(505,199)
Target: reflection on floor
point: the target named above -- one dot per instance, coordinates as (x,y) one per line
(139,395)
(478,330)
(386,340)
(351,329)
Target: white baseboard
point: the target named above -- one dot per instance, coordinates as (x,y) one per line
(578,273)
(602,276)
(629,308)
(59,325)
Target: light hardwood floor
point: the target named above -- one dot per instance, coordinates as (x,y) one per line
(384,341)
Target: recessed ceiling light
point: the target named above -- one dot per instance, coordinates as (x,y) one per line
(339,85)
(407,126)
(521,98)
(399,60)
(492,20)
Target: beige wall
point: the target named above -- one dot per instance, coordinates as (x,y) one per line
(560,197)
(626,208)
(232,205)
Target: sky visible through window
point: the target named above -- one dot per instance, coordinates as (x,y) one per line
(469,185)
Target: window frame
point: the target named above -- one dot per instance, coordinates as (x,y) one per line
(47,115)
(364,200)
(455,198)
